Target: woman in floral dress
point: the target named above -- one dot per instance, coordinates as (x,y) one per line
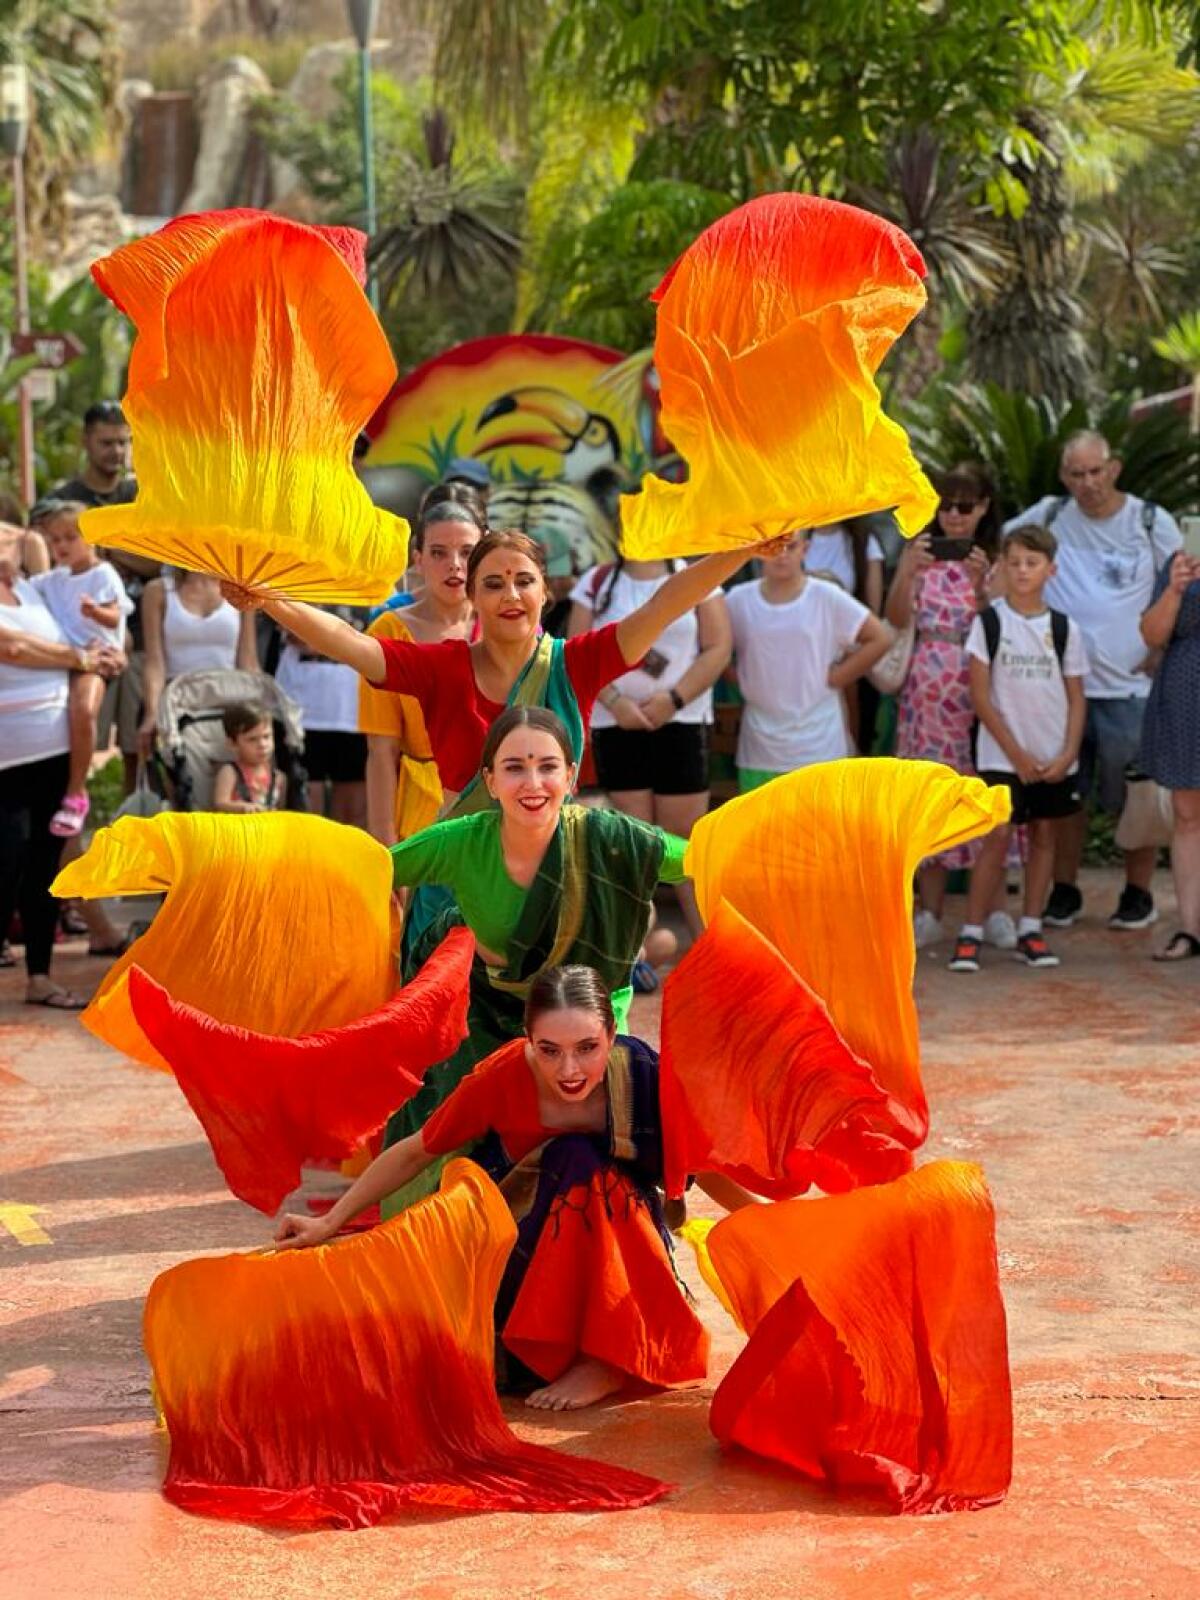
(936,717)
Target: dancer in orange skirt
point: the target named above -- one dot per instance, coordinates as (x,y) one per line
(567,1120)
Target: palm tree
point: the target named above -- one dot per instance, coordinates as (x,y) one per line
(69,48)
(1120,95)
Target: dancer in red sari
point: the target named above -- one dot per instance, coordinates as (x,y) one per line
(569,1120)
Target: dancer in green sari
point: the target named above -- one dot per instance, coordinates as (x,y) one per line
(540,883)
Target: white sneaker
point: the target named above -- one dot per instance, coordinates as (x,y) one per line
(927,929)
(1000,929)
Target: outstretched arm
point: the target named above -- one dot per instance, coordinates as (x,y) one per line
(726,1192)
(389,1171)
(682,591)
(319,630)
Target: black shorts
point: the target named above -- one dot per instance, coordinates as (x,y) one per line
(340,757)
(672,759)
(1035,802)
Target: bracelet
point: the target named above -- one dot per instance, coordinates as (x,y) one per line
(609,697)
(677,699)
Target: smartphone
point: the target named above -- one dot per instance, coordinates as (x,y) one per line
(949,549)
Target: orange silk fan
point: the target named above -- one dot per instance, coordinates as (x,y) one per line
(342,1384)
(767,1092)
(279,923)
(878,1354)
(771,327)
(257,362)
(268,1104)
(820,862)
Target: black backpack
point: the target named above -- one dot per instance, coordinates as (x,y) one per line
(1060,627)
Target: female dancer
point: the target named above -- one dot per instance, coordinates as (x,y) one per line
(568,1115)
(403,791)
(462,688)
(539,883)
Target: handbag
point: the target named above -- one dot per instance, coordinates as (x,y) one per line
(889,672)
(142,801)
(1147,817)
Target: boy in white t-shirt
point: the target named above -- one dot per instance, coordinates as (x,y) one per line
(87,599)
(1027,669)
(797,643)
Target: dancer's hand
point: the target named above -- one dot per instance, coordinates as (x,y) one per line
(301,1233)
(241,598)
(768,549)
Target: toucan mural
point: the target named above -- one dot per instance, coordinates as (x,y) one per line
(561,426)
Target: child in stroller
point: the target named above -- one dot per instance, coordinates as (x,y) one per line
(192,745)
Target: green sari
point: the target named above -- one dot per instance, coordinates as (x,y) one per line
(590,903)
(542,681)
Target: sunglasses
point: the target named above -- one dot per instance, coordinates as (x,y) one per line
(963,507)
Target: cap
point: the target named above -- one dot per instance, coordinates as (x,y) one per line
(468,470)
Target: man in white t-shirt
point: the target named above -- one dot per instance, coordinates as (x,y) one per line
(797,643)
(1027,670)
(1110,546)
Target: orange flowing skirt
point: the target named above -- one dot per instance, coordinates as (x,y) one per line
(591,1276)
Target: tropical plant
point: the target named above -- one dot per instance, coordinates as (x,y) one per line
(1021,436)
(445,226)
(97,375)
(599,287)
(1180,345)
(426,210)
(1093,109)
(926,193)
(69,49)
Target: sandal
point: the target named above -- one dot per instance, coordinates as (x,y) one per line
(110,950)
(1180,946)
(58,1000)
(7,959)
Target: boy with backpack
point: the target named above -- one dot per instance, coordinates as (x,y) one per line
(1027,669)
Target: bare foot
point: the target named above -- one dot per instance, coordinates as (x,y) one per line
(584,1384)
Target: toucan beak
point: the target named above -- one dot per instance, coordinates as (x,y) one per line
(566,417)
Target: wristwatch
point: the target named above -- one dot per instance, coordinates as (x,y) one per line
(677,699)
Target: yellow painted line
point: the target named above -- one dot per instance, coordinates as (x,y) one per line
(19,1222)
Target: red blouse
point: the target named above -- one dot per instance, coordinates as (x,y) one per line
(499,1094)
(458,717)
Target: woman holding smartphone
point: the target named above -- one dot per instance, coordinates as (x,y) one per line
(940,585)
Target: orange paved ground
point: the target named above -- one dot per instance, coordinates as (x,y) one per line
(1077,1091)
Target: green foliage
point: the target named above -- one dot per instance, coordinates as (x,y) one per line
(1020,438)
(599,286)
(446,245)
(751,92)
(106,790)
(327,152)
(69,48)
(1180,343)
(444,225)
(97,375)
(183,63)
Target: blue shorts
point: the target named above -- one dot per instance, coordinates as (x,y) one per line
(1112,736)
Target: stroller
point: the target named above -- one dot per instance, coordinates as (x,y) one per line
(191,739)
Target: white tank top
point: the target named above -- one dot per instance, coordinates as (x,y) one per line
(192,643)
